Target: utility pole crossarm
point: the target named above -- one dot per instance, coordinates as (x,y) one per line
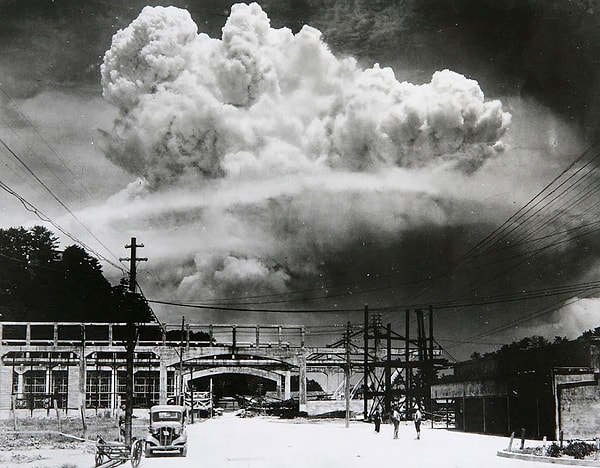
(133,259)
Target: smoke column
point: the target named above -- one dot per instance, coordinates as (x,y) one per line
(263,158)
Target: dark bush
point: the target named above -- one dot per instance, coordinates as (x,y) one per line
(578,450)
(553,450)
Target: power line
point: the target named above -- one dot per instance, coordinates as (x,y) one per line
(522,222)
(3,143)
(37,132)
(496,299)
(33,209)
(529,317)
(243,309)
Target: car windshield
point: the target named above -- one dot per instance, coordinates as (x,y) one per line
(166,416)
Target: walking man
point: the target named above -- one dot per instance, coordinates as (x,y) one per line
(418,418)
(121,420)
(377,420)
(395,421)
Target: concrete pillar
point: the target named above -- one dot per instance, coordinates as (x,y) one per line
(186,379)
(5,381)
(20,381)
(82,378)
(6,377)
(331,383)
(279,385)
(113,385)
(595,357)
(74,397)
(233,340)
(162,382)
(48,388)
(302,382)
(287,385)
(484,415)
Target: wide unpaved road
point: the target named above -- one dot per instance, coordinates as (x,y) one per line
(233,442)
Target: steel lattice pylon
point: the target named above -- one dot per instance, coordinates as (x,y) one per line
(398,370)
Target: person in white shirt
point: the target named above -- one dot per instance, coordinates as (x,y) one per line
(418,418)
(395,421)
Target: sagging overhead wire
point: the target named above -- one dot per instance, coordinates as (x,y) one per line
(245,309)
(505,228)
(536,314)
(529,232)
(241,300)
(61,203)
(25,119)
(29,171)
(495,299)
(545,218)
(575,190)
(520,219)
(33,209)
(525,234)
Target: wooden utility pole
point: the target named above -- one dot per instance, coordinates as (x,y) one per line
(132,335)
(347,375)
(408,371)
(367,392)
(181,392)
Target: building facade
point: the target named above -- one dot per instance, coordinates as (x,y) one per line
(81,366)
(552,391)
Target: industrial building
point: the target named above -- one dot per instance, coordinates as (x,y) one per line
(79,366)
(551,391)
(82,366)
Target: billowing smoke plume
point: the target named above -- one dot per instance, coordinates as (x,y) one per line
(262,99)
(262,156)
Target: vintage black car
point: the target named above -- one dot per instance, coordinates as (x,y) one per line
(167,432)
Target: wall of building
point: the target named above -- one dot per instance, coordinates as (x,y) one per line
(485,415)
(468,389)
(577,396)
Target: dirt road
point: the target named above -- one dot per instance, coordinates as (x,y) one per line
(271,443)
(233,442)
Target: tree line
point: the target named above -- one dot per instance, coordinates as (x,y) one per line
(39,282)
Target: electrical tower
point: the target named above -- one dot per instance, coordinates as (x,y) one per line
(398,370)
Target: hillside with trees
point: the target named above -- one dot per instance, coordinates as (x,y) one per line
(38,282)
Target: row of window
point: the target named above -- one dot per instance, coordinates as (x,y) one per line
(99,389)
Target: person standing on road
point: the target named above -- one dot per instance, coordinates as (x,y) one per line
(377,420)
(395,421)
(121,420)
(418,418)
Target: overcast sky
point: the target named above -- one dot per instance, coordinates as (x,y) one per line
(313,155)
